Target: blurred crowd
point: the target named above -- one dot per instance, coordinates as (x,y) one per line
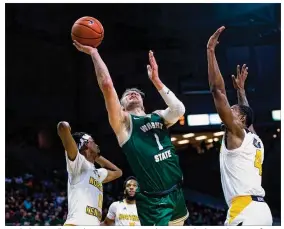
(29,201)
(39,197)
(201,215)
(33,202)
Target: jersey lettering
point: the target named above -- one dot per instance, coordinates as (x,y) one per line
(128,217)
(94,212)
(151,125)
(162,156)
(150,139)
(256,143)
(96,183)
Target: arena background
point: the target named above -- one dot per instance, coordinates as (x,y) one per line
(48,80)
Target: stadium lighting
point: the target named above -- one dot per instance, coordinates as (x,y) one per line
(173,139)
(216,139)
(276,115)
(220,133)
(202,137)
(198,120)
(181,142)
(189,135)
(210,140)
(214,119)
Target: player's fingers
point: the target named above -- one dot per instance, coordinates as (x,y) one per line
(150,55)
(233,78)
(246,72)
(153,59)
(77,47)
(218,32)
(149,70)
(238,70)
(77,43)
(243,68)
(221,29)
(154,62)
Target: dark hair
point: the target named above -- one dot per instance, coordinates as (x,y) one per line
(127,179)
(77,137)
(248,113)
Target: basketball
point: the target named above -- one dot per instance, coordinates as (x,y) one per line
(88,31)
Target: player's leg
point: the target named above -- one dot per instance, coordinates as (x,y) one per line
(164,216)
(154,210)
(180,213)
(236,213)
(179,223)
(244,211)
(145,210)
(257,214)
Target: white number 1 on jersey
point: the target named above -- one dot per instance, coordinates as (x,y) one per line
(158,142)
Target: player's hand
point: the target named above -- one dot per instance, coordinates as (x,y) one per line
(239,81)
(153,67)
(213,40)
(84,48)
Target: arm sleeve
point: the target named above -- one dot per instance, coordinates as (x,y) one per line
(112,211)
(175,107)
(75,167)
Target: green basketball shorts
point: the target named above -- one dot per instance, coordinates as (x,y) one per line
(160,210)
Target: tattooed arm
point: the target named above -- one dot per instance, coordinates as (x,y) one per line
(239,85)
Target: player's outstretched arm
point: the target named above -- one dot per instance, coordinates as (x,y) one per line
(175,108)
(64,132)
(217,86)
(113,171)
(239,85)
(115,113)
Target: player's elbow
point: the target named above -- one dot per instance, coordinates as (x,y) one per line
(178,110)
(106,84)
(215,90)
(62,127)
(119,173)
(181,110)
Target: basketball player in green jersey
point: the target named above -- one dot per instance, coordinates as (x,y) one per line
(145,140)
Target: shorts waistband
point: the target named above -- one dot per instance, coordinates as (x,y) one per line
(258,198)
(162,193)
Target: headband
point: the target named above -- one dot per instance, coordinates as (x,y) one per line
(83,140)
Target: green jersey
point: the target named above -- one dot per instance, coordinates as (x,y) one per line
(151,154)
